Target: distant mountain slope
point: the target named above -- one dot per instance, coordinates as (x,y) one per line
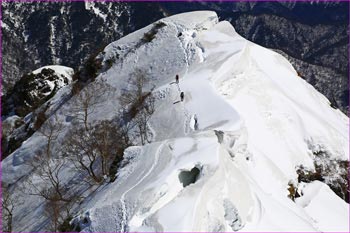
(37,34)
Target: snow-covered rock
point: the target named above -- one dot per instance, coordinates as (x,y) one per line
(36,87)
(246,123)
(60,70)
(39,92)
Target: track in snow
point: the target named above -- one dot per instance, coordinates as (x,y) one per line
(122,199)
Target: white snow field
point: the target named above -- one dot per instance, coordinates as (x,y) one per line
(246,123)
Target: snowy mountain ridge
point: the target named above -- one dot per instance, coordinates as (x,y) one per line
(224,158)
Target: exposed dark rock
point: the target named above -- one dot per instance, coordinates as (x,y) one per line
(333,172)
(31,91)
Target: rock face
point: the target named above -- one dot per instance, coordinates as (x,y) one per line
(35,88)
(31,101)
(37,34)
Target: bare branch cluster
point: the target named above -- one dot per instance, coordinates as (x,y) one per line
(46,181)
(8,205)
(94,150)
(88,99)
(139,103)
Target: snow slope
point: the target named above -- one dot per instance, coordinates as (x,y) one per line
(256,122)
(268,116)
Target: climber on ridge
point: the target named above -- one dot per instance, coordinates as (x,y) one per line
(195,122)
(177,79)
(182,96)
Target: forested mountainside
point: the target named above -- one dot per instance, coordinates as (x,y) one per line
(313,35)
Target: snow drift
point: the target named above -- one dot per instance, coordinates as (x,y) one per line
(247,122)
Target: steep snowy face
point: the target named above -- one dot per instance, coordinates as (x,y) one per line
(247,122)
(239,151)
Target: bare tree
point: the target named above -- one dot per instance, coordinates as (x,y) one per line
(46,181)
(94,150)
(133,98)
(46,167)
(139,103)
(48,171)
(143,117)
(53,211)
(80,149)
(51,131)
(58,212)
(88,99)
(8,205)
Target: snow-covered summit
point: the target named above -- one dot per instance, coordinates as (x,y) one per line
(225,158)
(60,70)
